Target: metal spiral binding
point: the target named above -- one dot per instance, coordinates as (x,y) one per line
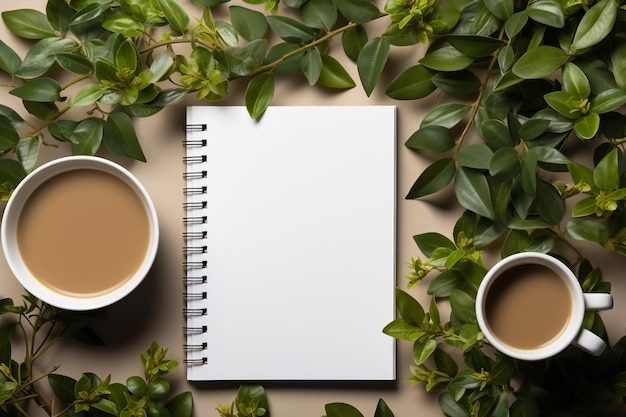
(194,220)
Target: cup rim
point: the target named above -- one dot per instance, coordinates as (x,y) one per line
(574,325)
(24,190)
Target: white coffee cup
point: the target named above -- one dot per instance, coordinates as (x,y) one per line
(572,332)
(9,233)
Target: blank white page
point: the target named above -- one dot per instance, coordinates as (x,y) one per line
(300,243)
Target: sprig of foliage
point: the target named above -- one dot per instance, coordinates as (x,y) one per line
(39,326)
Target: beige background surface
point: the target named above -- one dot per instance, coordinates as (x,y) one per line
(154,311)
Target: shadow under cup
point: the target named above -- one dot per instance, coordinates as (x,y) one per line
(80,232)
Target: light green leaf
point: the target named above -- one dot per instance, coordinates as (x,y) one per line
(126,57)
(358,11)
(161,67)
(585,229)
(87,136)
(587,126)
(40,89)
(595,25)
(9,59)
(402,330)
(28,150)
(516,23)
(422,350)
(120,137)
(446,115)
(411,84)
(311,65)
(249,23)
(565,103)
(575,81)
(289,29)
(548,12)
(446,58)
(434,178)
(28,23)
(87,95)
(540,62)
(585,207)
(371,62)
(123,24)
(472,192)
(259,94)
(431,138)
(606,174)
(176,15)
(334,75)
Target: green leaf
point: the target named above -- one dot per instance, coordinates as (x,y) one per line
(474,46)
(565,103)
(87,95)
(334,75)
(176,15)
(444,283)
(126,57)
(431,138)
(106,406)
(123,24)
(450,407)
(59,13)
(312,65)
(249,23)
(585,229)
(87,22)
(502,9)
(358,11)
(74,62)
(429,241)
(409,309)
(290,30)
(585,207)
(411,84)
(540,62)
(457,82)
(11,171)
(496,134)
(587,126)
(28,150)
(548,12)
(40,90)
(87,136)
(472,192)
(371,62)
(505,163)
(63,387)
(476,155)
(353,40)
(341,410)
(575,81)
(382,409)
(181,405)
(40,57)
(606,175)
(28,23)
(120,137)
(463,306)
(434,178)
(516,23)
(259,94)
(548,154)
(549,206)
(595,25)
(319,14)
(15,119)
(446,115)
(608,100)
(422,350)
(446,58)
(161,67)
(401,330)
(9,60)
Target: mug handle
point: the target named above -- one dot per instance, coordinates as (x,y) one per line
(589,342)
(595,301)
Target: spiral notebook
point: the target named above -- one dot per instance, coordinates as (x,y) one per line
(289,243)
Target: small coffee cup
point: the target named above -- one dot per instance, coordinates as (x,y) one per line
(530,306)
(80,232)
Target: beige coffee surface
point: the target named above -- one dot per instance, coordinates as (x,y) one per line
(83,232)
(528,306)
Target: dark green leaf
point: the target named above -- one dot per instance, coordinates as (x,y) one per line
(312,65)
(505,163)
(429,241)
(434,178)
(120,137)
(444,283)
(175,14)
(11,171)
(40,89)
(106,406)
(169,97)
(472,192)
(477,155)
(249,23)
(28,23)
(446,115)
(495,133)
(446,58)
(382,409)
(450,407)
(516,23)
(59,14)
(409,309)
(463,306)
(515,241)
(341,410)
(371,62)
(40,56)
(87,136)
(334,75)
(358,11)
(181,405)
(27,151)
(502,9)
(475,46)
(413,83)
(431,138)
(549,205)
(540,62)
(548,12)
(63,387)
(320,14)
(289,29)
(9,60)
(548,154)
(87,22)
(74,62)
(457,82)
(259,94)
(608,100)
(353,40)
(87,95)
(15,119)
(595,25)
(62,130)
(606,175)
(585,229)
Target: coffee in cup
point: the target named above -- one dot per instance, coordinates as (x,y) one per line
(530,306)
(80,232)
